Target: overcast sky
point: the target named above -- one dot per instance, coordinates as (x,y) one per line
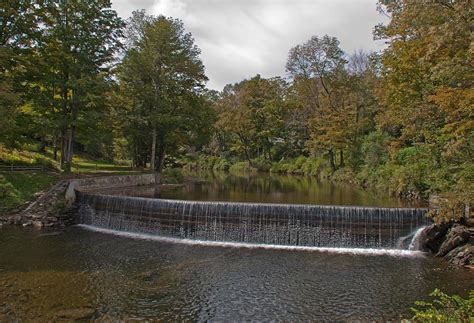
(242,38)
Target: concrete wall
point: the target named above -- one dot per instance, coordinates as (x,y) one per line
(91,183)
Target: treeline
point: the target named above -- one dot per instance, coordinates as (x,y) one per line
(75,78)
(400,120)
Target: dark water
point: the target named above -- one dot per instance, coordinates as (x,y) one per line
(267,188)
(46,275)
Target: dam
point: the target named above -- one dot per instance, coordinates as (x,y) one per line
(254,223)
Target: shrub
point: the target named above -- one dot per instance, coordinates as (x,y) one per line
(445,308)
(242,167)
(374,149)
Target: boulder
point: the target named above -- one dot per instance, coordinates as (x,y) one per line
(457,236)
(462,255)
(432,237)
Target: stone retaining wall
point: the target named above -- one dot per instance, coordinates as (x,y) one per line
(92,183)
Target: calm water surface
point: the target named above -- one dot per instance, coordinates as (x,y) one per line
(267,188)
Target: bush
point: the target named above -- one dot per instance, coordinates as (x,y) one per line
(172,176)
(300,165)
(374,149)
(344,175)
(242,167)
(445,308)
(24,158)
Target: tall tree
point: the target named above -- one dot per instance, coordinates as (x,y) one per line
(163,77)
(318,64)
(19,32)
(80,39)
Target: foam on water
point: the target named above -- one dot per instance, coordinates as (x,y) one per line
(353,251)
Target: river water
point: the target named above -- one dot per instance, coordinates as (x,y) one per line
(77,272)
(267,188)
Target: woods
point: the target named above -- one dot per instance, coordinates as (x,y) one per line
(76,78)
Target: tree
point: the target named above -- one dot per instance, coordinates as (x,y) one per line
(78,44)
(251,116)
(19,30)
(318,66)
(163,78)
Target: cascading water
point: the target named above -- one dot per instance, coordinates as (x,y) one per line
(253,223)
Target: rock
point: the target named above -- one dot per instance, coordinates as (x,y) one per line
(457,236)
(75,313)
(37,224)
(462,255)
(27,223)
(17,219)
(432,237)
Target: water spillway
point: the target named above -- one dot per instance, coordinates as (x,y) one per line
(254,223)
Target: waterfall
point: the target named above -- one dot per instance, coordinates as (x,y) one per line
(253,223)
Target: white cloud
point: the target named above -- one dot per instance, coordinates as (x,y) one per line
(242,38)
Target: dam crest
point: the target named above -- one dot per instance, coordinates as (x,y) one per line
(286,225)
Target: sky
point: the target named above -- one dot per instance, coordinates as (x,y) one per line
(241,38)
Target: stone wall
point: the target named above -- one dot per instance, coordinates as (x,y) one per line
(55,207)
(93,183)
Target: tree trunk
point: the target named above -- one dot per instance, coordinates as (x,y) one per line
(331,161)
(341,154)
(153,149)
(63,148)
(55,148)
(43,144)
(161,158)
(70,142)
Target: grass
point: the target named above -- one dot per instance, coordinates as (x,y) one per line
(19,157)
(17,188)
(84,164)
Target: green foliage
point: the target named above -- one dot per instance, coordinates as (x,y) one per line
(18,188)
(172,176)
(25,158)
(207,162)
(445,308)
(300,165)
(243,166)
(375,149)
(161,105)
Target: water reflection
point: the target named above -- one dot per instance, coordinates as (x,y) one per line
(263,187)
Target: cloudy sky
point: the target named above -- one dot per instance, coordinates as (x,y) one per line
(241,38)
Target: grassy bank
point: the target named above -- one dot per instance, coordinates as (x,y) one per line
(17,188)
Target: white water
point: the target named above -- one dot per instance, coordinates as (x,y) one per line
(353,251)
(414,242)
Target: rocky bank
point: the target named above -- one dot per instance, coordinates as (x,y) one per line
(48,210)
(454,242)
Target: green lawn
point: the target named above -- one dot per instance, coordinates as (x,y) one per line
(19,187)
(81,165)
